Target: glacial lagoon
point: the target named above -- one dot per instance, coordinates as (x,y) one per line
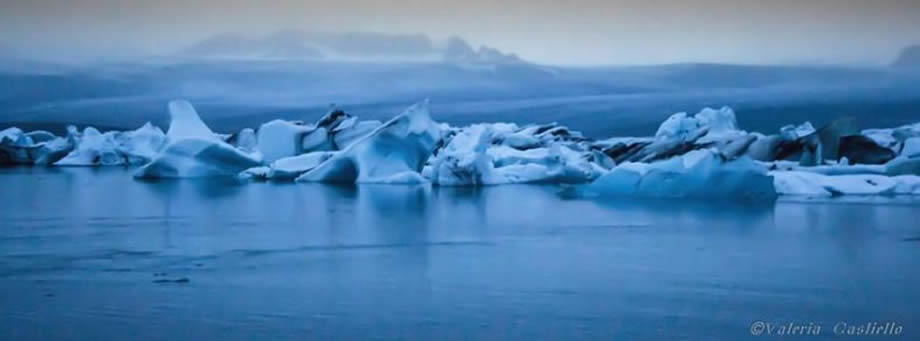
(91,253)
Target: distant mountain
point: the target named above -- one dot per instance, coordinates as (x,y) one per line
(909,57)
(458,50)
(350,46)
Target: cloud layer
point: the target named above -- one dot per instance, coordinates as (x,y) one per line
(574,32)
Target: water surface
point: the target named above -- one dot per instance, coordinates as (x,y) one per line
(93,254)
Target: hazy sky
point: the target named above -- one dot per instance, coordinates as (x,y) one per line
(557,31)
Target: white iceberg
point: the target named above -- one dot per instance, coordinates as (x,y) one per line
(705,155)
(351,130)
(476,156)
(112,148)
(141,145)
(801,183)
(33,148)
(393,153)
(714,122)
(94,149)
(192,150)
(791,132)
(911,148)
(245,140)
(894,138)
(697,174)
(290,168)
(279,139)
(316,140)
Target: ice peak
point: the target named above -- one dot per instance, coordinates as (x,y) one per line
(185,121)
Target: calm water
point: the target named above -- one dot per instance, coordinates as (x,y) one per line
(95,255)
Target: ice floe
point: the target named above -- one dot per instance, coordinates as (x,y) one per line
(815,184)
(38,147)
(279,139)
(699,173)
(704,155)
(193,150)
(394,152)
(483,154)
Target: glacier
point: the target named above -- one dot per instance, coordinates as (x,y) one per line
(703,155)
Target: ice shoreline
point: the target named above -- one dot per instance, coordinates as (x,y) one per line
(703,156)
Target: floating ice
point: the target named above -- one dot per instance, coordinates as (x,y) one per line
(94,149)
(394,152)
(813,184)
(112,148)
(279,139)
(290,168)
(698,174)
(712,121)
(349,132)
(316,140)
(141,145)
(911,147)
(245,140)
(704,155)
(192,150)
(476,155)
(791,132)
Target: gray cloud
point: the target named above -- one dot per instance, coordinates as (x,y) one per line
(573,32)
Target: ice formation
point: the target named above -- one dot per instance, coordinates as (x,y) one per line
(92,148)
(279,139)
(815,184)
(708,121)
(497,154)
(699,173)
(395,152)
(37,147)
(705,155)
(290,168)
(192,150)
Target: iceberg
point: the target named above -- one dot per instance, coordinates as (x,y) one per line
(38,147)
(290,168)
(193,150)
(279,139)
(245,140)
(141,145)
(715,122)
(705,155)
(911,148)
(802,183)
(791,132)
(94,149)
(395,152)
(316,140)
(477,155)
(348,132)
(697,174)
(34,148)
